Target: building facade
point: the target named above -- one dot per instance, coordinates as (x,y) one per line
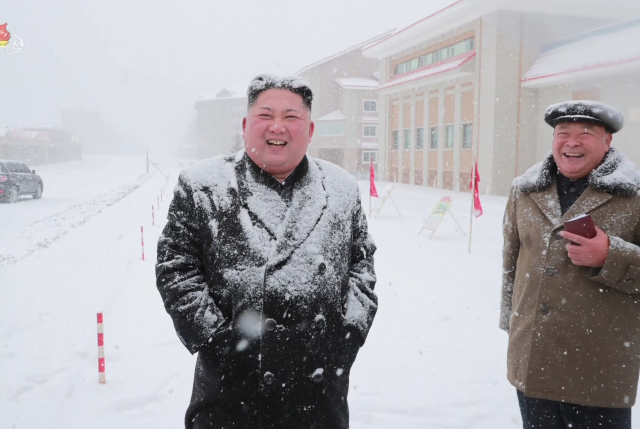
(219,123)
(460,85)
(345,108)
(36,146)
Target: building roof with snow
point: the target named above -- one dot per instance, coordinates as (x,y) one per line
(336,115)
(359,46)
(357,83)
(464,11)
(223,94)
(600,52)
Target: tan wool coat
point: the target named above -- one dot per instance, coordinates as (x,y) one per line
(574,332)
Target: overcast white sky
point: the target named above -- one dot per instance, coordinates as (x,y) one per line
(142,64)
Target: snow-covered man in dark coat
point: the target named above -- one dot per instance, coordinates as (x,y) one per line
(266,268)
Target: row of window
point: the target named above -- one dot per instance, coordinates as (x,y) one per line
(436,56)
(467,133)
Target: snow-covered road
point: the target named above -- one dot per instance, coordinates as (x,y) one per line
(434,358)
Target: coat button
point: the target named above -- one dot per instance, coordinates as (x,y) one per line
(320,321)
(558,236)
(322,267)
(270,324)
(318,377)
(269,378)
(550,271)
(629,281)
(544,309)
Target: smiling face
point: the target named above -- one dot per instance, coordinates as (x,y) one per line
(277,131)
(579,147)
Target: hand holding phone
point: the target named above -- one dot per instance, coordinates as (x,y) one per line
(581,225)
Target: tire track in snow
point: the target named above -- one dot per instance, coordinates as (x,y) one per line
(42,233)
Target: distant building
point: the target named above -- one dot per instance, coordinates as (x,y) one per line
(345,108)
(473,81)
(219,123)
(36,146)
(90,128)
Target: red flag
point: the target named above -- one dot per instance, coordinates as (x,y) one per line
(477,206)
(372,185)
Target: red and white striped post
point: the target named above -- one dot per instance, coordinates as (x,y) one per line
(142,239)
(153,216)
(101,376)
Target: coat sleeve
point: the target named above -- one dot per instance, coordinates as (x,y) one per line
(510,251)
(361,302)
(621,269)
(179,275)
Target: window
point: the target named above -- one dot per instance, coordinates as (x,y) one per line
(14,167)
(407,139)
(368,156)
(467,132)
(425,60)
(434,138)
(449,142)
(396,139)
(24,168)
(419,138)
(370,106)
(3,169)
(370,130)
(331,128)
(439,55)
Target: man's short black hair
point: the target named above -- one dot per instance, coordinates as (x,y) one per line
(295,84)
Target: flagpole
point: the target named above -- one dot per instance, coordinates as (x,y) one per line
(473,199)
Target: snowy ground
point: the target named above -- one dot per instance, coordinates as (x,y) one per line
(434,358)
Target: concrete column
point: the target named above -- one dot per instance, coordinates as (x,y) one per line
(400,138)
(383,136)
(426,136)
(441,137)
(412,141)
(457,137)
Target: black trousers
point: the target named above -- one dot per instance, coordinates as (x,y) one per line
(545,414)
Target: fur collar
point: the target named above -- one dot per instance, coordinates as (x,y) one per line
(615,175)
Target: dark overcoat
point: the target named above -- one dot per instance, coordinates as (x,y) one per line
(574,331)
(275,298)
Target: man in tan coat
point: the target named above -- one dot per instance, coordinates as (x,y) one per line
(571,305)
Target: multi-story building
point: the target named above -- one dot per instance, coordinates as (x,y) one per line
(219,122)
(345,108)
(472,82)
(37,146)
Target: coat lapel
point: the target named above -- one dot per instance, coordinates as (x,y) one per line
(308,204)
(263,203)
(590,200)
(549,203)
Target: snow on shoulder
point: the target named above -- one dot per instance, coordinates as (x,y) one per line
(337,177)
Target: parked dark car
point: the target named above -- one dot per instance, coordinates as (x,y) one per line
(16,179)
